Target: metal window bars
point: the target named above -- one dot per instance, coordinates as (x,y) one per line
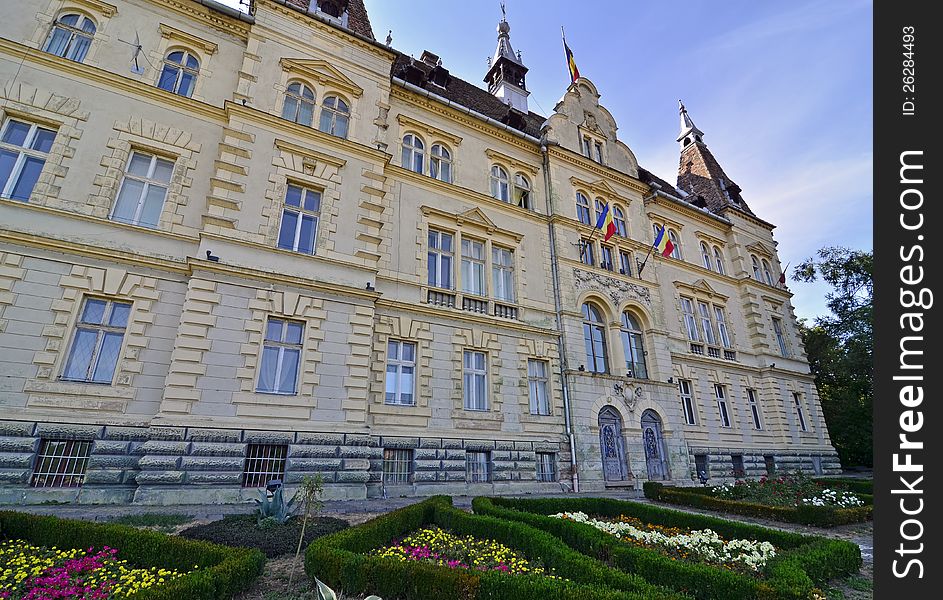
(264,462)
(397,466)
(477,467)
(61,463)
(546,466)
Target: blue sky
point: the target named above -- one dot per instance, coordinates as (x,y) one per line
(781,90)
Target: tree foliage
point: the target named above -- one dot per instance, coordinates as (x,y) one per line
(840,348)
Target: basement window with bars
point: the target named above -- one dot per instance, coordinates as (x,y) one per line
(477,467)
(61,463)
(397,466)
(546,466)
(264,462)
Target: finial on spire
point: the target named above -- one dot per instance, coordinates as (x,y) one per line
(504,12)
(389,38)
(689,131)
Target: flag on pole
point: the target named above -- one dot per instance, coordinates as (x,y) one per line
(782,276)
(606,224)
(570,61)
(662,243)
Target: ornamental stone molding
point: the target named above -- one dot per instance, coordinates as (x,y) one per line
(619,291)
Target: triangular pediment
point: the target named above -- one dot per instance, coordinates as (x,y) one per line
(700,288)
(762,249)
(476,215)
(323,73)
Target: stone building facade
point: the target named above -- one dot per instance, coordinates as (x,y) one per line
(237,247)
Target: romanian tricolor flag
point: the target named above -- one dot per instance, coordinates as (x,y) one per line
(662,243)
(606,224)
(571,62)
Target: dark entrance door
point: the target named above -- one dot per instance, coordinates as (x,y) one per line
(611,445)
(654,445)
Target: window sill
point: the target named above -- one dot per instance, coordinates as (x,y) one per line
(267,393)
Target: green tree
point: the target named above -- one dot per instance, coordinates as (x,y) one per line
(840,348)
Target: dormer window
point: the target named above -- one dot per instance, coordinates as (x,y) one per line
(332,8)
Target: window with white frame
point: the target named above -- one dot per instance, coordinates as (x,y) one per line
(281,357)
(440,163)
(597,152)
(96,343)
(299,103)
(300,217)
(722,327)
(797,398)
(61,463)
(594,338)
(335,116)
(721,393)
(706,256)
(143,190)
(719,261)
(264,462)
(538,383)
(587,147)
(546,466)
(413,153)
(582,209)
(179,73)
(676,242)
(400,372)
(625,263)
(756,268)
(473,267)
(70,37)
(521,191)
(502,273)
(23,151)
(754,408)
(707,325)
(690,322)
(687,402)
(618,217)
(605,257)
(767,272)
(440,259)
(500,184)
(633,347)
(475,380)
(600,206)
(780,337)
(587,252)
(397,466)
(478,467)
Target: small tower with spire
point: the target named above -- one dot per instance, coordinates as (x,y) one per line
(505,78)
(689,131)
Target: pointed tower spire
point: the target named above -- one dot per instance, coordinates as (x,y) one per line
(505,78)
(689,131)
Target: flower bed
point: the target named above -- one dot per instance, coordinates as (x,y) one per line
(353,560)
(697,545)
(800,563)
(789,490)
(58,552)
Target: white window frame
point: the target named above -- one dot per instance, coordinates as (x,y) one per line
(336,114)
(148,181)
(538,379)
(502,273)
(723,410)
(440,163)
(756,268)
(182,67)
(722,330)
(767,273)
(676,243)
(583,209)
(521,191)
(478,468)
(546,466)
(302,212)
(780,336)
(687,402)
(707,323)
(500,184)
(605,257)
(618,217)
(587,252)
(690,321)
(299,99)
(592,327)
(706,256)
(755,409)
(281,346)
(474,267)
(74,31)
(625,263)
(477,377)
(633,346)
(597,151)
(101,331)
(719,260)
(435,255)
(23,153)
(800,414)
(399,364)
(599,207)
(414,153)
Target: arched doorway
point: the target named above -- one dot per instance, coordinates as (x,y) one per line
(654,443)
(611,445)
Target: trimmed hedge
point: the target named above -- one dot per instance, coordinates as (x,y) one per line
(341,561)
(222,571)
(818,516)
(858,486)
(802,561)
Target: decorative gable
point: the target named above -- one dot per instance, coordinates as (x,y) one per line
(323,73)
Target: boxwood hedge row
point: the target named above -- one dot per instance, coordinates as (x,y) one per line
(221,571)
(818,516)
(802,561)
(858,486)
(341,561)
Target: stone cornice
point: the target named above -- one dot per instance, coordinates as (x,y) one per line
(212,18)
(689,212)
(728,365)
(434,132)
(308,153)
(97,6)
(463,315)
(512,162)
(188,39)
(594,167)
(322,72)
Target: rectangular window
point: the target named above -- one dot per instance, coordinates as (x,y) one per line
(441,253)
(707,326)
(264,462)
(143,190)
(770,461)
(475,380)
(605,258)
(722,327)
(96,345)
(477,467)
(797,398)
(754,409)
(625,263)
(687,402)
(61,463)
(721,393)
(473,267)
(738,468)
(690,323)
(587,253)
(538,384)
(546,466)
(300,216)
(587,148)
(23,151)
(502,273)
(400,372)
(597,155)
(281,357)
(778,330)
(701,467)
(397,466)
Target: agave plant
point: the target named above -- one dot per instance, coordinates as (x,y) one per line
(274,508)
(326,593)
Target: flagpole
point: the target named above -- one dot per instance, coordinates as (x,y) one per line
(641,267)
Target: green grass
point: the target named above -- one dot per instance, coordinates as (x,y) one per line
(160,522)
(859,583)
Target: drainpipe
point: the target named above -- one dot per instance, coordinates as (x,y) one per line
(557,303)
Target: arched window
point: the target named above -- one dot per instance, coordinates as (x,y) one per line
(413,154)
(582,208)
(756,269)
(600,205)
(335,116)
(767,273)
(179,73)
(706,255)
(440,163)
(594,335)
(618,217)
(521,191)
(719,261)
(299,103)
(70,37)
(500,187)
(673,238)
(633,347)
